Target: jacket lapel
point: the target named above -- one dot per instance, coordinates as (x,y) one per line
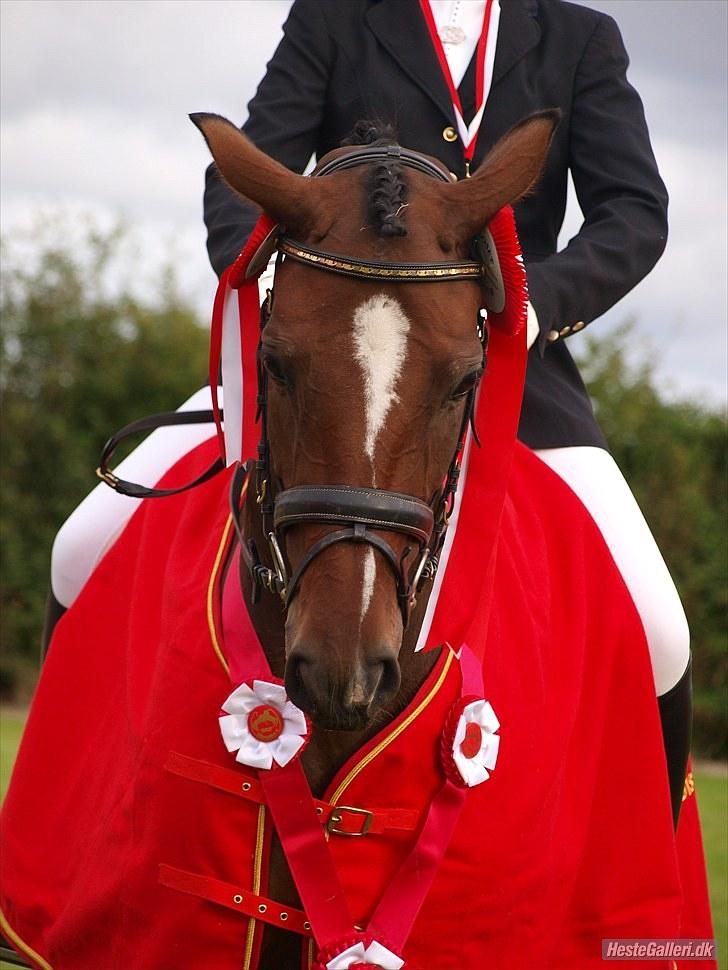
(400,28)
(518,32)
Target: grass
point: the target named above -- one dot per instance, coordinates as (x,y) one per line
(712,789)
(711,782)
(12,722)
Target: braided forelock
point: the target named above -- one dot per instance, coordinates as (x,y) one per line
(386,187)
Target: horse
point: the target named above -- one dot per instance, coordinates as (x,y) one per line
(381,359)
(372,351)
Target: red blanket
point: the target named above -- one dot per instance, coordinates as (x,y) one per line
(568,842)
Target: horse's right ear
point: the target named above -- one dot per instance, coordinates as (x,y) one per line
(508,172)
(292,200)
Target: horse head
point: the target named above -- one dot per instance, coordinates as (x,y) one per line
(368,384)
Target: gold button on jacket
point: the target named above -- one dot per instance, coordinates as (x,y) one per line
(449,134)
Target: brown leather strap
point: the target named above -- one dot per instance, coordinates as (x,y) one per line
(166,419)
(338,504)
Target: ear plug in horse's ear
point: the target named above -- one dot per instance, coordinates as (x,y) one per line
(291,199)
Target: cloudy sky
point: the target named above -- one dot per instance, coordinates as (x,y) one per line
(95,97)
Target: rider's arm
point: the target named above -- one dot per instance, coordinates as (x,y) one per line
(284,119)
(620,192)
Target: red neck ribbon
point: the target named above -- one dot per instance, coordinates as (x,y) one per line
(299,829)
(233,342)
(468,137)
(288,794)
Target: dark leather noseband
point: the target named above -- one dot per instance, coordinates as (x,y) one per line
(360,510)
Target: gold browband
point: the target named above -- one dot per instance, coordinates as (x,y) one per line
(394,272)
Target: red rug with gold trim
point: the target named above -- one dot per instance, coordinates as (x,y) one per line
(569,841)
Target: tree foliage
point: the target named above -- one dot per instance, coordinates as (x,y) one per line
(81,355)
(673,454)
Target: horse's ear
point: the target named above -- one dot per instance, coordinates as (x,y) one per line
(509,171)
(291,199)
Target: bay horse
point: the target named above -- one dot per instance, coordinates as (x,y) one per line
(367,382)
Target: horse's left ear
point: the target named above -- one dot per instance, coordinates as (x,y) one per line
(509,171)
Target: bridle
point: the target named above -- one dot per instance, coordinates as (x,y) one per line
(359,512)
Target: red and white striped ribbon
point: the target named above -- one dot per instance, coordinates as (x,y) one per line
(485,58)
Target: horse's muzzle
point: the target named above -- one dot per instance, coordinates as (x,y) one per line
(341,699)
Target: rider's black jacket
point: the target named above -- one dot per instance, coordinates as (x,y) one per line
(340,62)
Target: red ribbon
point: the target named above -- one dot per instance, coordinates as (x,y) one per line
(287,792)
(469,149)
(292,806)
(233,278)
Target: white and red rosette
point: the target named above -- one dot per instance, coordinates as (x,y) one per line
(469,746)
(262,725)
(364,953)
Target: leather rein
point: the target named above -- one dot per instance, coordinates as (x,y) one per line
(359,513)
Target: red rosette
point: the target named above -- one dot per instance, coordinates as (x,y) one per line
(512,319)
(364,941)
(239,268)
(447,740)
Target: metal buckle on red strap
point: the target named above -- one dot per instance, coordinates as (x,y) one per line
(336,819)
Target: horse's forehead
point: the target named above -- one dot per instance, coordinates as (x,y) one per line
(380,334)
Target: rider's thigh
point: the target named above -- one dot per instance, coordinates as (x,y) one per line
(595,477)
(93,527)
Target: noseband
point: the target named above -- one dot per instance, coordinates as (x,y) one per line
(360,513)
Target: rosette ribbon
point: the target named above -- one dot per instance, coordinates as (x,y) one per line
(262,725)
(469,742)
(361,955)
(475,744)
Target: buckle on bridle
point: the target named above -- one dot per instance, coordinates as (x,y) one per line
(107,476)
(336,818)
(279,566)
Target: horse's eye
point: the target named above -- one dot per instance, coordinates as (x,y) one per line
(466,384)
(276,370)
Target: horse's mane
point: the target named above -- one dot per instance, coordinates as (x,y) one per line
(386,187)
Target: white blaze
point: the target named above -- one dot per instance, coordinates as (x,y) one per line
(370,574)
(380,346)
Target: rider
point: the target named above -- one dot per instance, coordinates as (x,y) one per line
(341,62)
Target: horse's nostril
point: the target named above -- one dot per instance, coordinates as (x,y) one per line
(295,682)
(390,679)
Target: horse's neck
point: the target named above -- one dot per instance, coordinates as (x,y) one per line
(327,751)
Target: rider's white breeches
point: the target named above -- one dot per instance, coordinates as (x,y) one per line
(93,527)
(591,472)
